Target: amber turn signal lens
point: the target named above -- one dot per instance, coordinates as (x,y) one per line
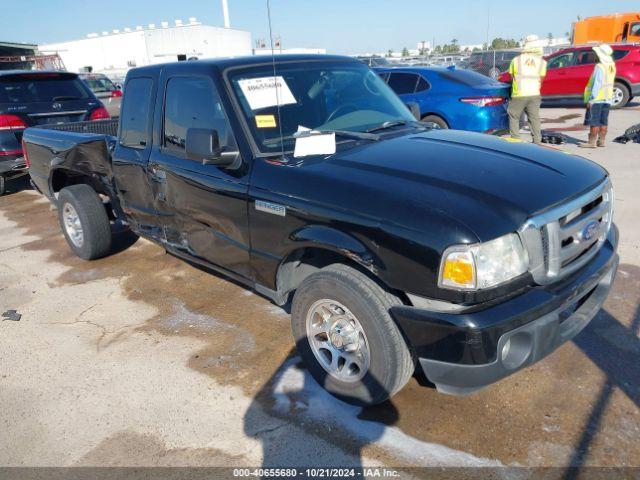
(459,270)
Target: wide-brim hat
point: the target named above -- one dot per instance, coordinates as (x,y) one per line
(604,52)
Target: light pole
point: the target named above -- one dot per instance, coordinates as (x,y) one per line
(225,14)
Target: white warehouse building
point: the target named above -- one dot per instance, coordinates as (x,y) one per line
(113,53)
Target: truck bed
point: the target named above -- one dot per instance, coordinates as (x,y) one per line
(72,150)
(104,127)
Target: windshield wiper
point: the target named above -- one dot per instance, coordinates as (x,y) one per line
(338,133)
(64,97)
(394,123)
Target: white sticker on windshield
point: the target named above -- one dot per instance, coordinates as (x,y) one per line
(266,92)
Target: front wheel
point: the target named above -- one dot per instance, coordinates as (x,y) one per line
(346,337)
(3,185)
(621,95)
(84,221)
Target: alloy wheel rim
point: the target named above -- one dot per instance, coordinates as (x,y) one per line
(72,224)
(617,96)
(337,340)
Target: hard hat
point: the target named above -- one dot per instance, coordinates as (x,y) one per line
(530,46)
(531,39)
(604,52)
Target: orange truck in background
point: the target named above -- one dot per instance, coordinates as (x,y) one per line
(616,28)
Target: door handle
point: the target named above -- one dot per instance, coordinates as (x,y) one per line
(157,175)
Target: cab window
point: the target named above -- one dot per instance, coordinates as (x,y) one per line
(135,115)
(192,102)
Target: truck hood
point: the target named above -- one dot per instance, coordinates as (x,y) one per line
(486,183)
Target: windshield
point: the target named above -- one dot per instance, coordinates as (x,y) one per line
(345,96)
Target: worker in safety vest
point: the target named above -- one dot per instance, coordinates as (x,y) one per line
(527,71)
(599,96)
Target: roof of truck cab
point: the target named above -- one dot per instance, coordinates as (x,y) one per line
(223,63)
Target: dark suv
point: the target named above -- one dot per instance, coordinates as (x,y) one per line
(491,62)
(30,98)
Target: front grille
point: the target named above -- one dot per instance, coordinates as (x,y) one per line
(565,238)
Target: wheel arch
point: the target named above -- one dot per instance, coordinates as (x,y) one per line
(62,177)
(436,114)
(320,246)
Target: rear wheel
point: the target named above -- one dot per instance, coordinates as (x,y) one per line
(346,337)
(621,95)
(3,183)
(84,221)
(439,121)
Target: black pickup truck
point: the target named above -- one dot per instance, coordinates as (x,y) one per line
(308,180)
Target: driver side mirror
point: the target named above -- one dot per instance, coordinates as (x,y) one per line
(203,144)
(414,108)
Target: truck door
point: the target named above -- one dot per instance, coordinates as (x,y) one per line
(131,156)
(204,207)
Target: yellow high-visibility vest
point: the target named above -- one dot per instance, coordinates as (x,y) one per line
(527,71)
(605,93)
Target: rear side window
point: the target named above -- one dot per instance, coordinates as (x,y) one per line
(41,87)
(422,85)
(135,114)
(192,102)
(635,30)
(620,54)
(402,83)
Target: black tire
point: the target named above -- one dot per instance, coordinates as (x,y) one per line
(391,363)
(437,120)
(3,185)
(626,95)
(92,216)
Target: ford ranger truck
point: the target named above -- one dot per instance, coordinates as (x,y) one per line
(399,248)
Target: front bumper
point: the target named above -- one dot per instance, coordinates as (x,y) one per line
(462,353)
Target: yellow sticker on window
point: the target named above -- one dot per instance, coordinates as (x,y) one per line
(265,121)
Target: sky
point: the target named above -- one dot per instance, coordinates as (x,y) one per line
(340,26)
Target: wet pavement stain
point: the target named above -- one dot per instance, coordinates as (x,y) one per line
(581,405)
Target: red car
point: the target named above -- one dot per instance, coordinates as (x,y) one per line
(569,69)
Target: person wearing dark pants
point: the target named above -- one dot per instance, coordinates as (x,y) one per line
(527,71)
(599,96)
(531,106)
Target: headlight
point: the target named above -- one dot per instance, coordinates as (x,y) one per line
(483,265)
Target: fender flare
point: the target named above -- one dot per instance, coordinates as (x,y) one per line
(332,239)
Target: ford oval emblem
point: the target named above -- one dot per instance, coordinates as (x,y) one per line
(590,230)
(57,106)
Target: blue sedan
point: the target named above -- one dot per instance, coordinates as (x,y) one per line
(452,98)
